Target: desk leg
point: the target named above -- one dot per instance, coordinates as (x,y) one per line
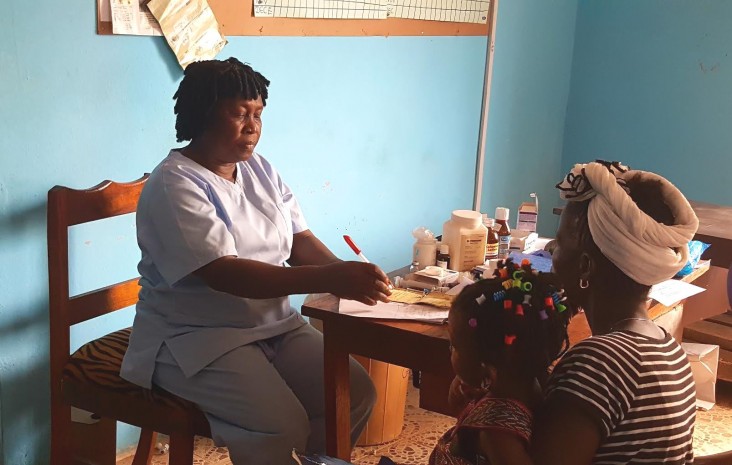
(337,396)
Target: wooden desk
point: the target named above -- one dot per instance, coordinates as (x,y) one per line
(420,346)
(715,228)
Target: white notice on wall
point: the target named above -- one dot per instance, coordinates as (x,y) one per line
(130,17)
(190,28)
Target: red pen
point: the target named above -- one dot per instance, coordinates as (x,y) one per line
(355,248)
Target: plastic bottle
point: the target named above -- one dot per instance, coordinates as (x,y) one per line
(424,250)
(491,243)
(443,256)
(504,232)
(465,236)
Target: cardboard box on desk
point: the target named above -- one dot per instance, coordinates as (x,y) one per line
(528,215)
(704,359)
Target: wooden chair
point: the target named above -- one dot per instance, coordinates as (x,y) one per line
(89,379)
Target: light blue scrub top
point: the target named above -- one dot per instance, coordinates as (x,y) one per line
(188,217)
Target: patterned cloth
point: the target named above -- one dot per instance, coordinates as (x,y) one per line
(487,413)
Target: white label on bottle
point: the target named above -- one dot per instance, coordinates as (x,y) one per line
(473,251)
(504,244)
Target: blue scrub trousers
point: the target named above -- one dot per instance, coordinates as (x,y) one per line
(266,398)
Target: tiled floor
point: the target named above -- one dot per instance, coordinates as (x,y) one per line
(422,429)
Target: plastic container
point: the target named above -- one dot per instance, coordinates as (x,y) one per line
(465,235)
(504,232)
(424,250)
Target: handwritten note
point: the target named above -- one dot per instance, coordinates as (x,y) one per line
(672,291)
(394,311)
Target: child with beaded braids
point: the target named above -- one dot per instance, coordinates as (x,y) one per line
(505,332)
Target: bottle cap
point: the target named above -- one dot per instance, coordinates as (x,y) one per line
(489,222)
(502,213)
(444,249)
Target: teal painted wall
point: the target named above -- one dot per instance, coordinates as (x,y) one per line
(531,78)
(375,135)
(652,87)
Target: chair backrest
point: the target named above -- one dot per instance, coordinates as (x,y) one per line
(729,286)
(69,207)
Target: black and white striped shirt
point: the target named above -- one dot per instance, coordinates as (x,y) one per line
(639,389)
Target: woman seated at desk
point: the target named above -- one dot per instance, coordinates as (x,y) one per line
(216,224)
(625,395)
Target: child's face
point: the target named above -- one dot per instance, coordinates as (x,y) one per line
(464,353)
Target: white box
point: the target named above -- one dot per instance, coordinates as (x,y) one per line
(522,240)
(704,359)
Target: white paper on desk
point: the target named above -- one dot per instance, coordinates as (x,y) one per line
(393,311)
(672,291)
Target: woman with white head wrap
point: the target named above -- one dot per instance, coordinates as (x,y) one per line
(626,394)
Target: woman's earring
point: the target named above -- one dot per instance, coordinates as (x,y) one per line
(584,284)
(485,384)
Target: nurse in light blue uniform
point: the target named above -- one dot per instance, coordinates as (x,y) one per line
(216,225)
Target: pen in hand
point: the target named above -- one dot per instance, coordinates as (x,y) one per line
(358,252)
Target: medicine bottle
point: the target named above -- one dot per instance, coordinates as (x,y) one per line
(465,236)
(443,256)
(491,243)
(424,250)
(504,232)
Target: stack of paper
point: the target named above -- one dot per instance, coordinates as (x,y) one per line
(394,311)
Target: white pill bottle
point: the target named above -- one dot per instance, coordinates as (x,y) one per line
(424,250)
(466,235)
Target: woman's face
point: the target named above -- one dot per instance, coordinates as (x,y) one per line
(567,254)
(235,128)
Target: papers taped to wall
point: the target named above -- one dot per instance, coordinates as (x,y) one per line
(190,28)
(704,359)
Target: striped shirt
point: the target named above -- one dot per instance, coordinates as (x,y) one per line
(640,392)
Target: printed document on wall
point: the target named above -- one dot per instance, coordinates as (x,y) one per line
(190,28)
(320,9)
(454,11)
(131,17)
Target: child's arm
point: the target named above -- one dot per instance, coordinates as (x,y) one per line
(564,434)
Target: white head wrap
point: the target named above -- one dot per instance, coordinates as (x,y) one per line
(647,251)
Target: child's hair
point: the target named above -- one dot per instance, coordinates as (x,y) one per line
(521,310)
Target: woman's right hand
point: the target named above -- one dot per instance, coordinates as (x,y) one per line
(364,282)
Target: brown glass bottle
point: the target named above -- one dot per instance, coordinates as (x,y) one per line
(504,232)
(491,246)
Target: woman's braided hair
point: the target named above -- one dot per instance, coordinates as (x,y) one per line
(518,309)
(205,83)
